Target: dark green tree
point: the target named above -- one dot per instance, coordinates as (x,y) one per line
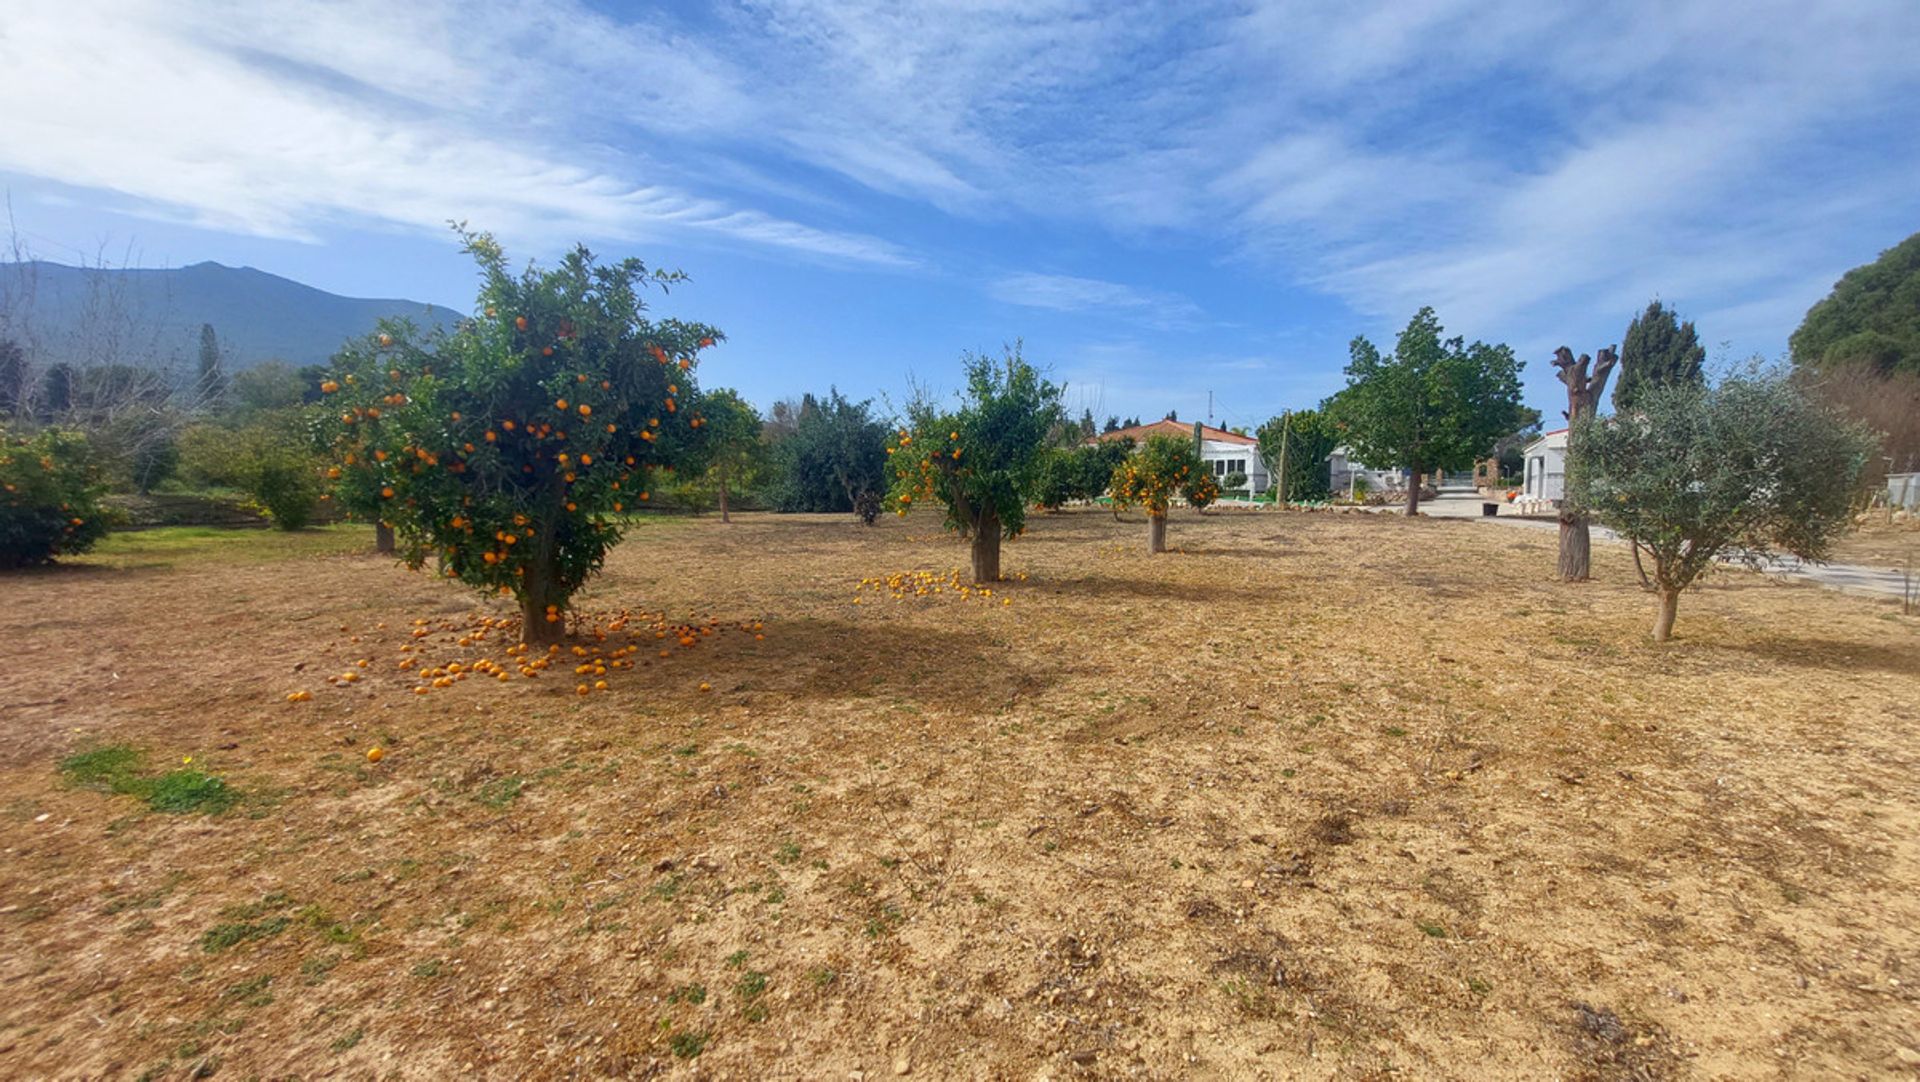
(210,387)
(1078,473)
(1871,319)
(56,392)
(1309,438)
(834,459)
(1658,349)
(272,385)
(15,379)
(1432,404)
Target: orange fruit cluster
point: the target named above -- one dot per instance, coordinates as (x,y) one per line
(604,643)
(904,585)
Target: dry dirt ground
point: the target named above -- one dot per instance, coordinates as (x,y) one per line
(1883,544)
(1320,796)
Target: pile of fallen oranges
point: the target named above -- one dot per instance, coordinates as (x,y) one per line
(437,655)
(911,585)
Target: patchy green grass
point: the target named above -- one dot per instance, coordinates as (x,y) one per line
(189,546)
(118,769)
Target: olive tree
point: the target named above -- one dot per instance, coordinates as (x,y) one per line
(1742,470)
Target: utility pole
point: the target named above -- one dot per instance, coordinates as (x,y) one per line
(1209,407)
(1280,481)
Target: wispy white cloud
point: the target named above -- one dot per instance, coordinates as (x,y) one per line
(1064,293)
(278,119)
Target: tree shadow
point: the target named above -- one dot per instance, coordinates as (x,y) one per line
(944,668)
(1149,589)
(1834,654)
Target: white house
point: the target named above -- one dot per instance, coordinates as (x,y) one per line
(1546,479)
(1224,452)
(1345,473)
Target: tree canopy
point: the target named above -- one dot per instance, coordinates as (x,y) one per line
(1309,439)
(1658,349)
(1434,403)
(1741,470)
(501,450)
(1168,466)
(828,455)
(1872,317)
(981,461)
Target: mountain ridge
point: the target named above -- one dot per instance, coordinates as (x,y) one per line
(151,316)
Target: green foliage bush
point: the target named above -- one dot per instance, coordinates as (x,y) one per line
(50,497)
(835,458)
(268,459)
(1079,473)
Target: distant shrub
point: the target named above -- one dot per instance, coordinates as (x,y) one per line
(1234,482)
(285,486)
(269,461)
(50,492)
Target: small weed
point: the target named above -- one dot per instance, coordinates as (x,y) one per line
(348,1041)
(1478,987)
(224,936)
(251,993)
(688,993)
(500,792)
(687,1045)
(1434,930)
(751,984)
(428,969)
(823,976)
(316,969)
(736,959)
(787,853)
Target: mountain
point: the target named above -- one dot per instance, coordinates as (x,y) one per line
(152,318)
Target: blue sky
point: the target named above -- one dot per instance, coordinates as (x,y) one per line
(1160,199)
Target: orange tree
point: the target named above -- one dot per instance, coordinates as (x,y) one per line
(981,461)
(1166,467)
(503,449)
(50,491)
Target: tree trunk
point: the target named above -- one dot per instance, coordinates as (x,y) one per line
(535,628)
(1156,533)
(1413,490)
(986,548)
(723,497)
(1576,548)
(383,539)
(1663,621)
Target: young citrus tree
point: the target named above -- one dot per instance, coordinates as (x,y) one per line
(1166,467)
(982,461)
(50,491)
(1690,475)
(502,450)
(731,427)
